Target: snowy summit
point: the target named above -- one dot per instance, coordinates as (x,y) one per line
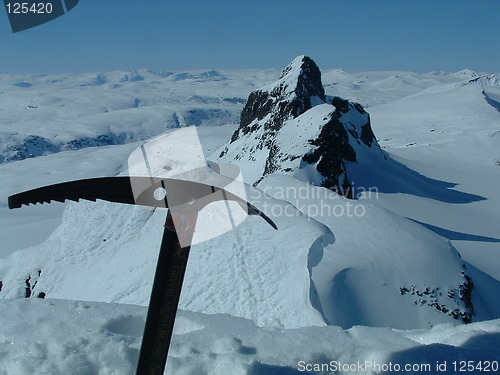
(291,127)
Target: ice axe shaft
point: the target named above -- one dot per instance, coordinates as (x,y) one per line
(165,295)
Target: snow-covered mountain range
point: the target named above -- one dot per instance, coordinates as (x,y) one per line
(412,250)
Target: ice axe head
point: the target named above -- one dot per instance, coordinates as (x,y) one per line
(194,188)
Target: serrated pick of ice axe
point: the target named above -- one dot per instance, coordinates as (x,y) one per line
(193,191)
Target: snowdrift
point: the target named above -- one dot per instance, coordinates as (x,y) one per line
(71,337)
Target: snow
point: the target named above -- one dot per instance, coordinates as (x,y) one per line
(252,167)
(40,221)
(492,96)
(322,288)
(75,337)
(287,81)
(359,254)
(243,282)
(451,138)
(291,138)
(374,254)
(68,112)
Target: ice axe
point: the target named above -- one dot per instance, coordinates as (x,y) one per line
(185,199)
(172,259)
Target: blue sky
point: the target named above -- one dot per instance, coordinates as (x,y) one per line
(357,35)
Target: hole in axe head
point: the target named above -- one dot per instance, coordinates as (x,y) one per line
(160,194)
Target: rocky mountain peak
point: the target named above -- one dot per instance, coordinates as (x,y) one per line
(302,77)
(291,127)
(298,89)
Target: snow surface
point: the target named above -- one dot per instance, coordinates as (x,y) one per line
(57,337)
(452,137)
(366,258)
(374,255)
(294,297)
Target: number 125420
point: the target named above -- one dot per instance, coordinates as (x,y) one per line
(24,8)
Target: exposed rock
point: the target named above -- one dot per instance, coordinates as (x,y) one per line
(96,80)
(288,98)
(23,84)
(34,145)
(456,303)
(100,140)
(291,127)
(212,75)
(132,77)
(31,283)
(30,147)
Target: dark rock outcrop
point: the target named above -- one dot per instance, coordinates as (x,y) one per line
(296,126)
(32,145)
(289,98)
(458,305)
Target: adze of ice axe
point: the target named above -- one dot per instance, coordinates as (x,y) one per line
(190,198)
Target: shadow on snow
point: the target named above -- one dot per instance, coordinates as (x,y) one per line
(458,236)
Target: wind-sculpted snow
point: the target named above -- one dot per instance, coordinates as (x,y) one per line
(72,337)
(377,257)
(38,222)
(492,97)
(331,262)
(234,273)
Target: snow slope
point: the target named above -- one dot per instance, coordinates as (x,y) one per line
(242,277)
(451,137)
(291,127)
(382,270)
(363,267)
(57,337)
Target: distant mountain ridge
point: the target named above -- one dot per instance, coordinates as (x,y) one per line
(49,113)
